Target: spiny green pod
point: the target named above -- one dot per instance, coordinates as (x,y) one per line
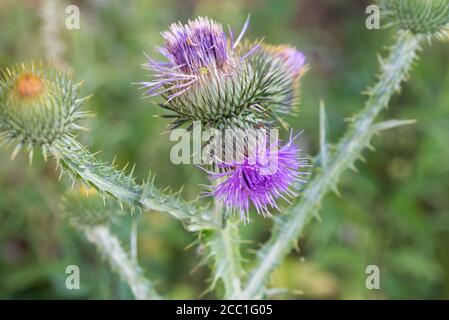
(39,105)
(429,18)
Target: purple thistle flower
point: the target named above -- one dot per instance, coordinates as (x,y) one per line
(200,44)
(259,180)
(194,51)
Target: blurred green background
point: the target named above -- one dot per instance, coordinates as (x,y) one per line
(393,213)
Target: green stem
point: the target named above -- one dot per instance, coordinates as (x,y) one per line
(288,227)
(122,187)
(109,246)
(224,249)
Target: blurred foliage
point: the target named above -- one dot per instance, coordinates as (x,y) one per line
(393,213)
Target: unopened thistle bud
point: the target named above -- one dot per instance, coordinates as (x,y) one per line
(293,64)
(422,17)
(293,60)
(38,105)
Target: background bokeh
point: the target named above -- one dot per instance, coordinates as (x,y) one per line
(393,213)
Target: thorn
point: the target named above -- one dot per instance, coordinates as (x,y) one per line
(30,156)
(78,127)
(126,166)
(79,84)
(16,151)
(336,191)
(84,115)
(44,153)
(353,168)
(390,124)
(82,100)
(180,190)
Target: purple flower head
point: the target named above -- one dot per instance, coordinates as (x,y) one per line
(294,60)
(193,51)
(197,46)
(259,180)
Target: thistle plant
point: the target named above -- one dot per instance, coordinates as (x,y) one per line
(223,82)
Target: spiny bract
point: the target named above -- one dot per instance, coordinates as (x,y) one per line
(38,105)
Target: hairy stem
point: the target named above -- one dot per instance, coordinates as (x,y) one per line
(121,186)
(109,246)
(288,227)
(224,250)
(224,246)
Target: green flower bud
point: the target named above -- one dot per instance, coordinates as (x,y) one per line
(425,17)
(38,105)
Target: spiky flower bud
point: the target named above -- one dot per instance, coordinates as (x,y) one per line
(424,17)
(292,59)
(38,105)
(212,78)
(292,63)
